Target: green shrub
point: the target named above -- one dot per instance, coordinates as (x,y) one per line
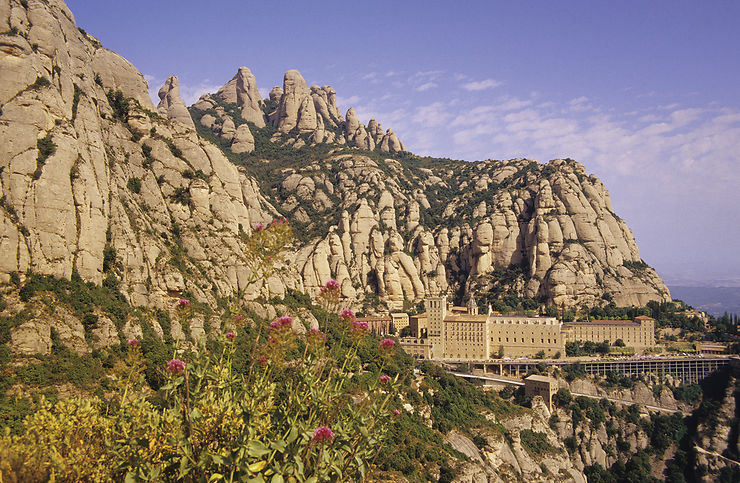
(40,82)
(119,104)
(182,196)
(134,184)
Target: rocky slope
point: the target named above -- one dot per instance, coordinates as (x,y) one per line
(93,180)
(88,167)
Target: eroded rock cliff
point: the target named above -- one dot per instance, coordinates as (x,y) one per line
(93,180)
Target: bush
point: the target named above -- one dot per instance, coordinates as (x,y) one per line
(40,82)
(536,443)
(287,418)
(134,184)
(119,104)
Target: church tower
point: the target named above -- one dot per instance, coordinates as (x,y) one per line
(472,306)
(436,313)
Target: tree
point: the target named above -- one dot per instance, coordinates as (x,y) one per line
(619,343)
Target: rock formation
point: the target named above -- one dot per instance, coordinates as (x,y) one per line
(85,167)
(242,91)
(293,110)
(171,104)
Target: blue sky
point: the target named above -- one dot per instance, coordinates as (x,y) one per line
(645,94)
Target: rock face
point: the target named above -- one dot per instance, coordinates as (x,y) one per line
(84,169)
(242,91)
(171,104)
(300,114)
(403,231)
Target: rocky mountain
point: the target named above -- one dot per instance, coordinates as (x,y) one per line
(299,116)
(94,181)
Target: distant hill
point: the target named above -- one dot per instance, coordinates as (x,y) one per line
(713,300)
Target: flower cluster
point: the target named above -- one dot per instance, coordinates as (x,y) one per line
(259,227)
(360,326)
(282,323)
(386,344)
(230,336)
(323,434)
(176,366)
(347,315)
(134,342)
(183,303)
(385,378)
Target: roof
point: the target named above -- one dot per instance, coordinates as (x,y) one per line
(373,319)
(466,318)
(601,322)
(538,378)
(643,317)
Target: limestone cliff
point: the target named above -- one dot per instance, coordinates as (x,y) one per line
(296,115)
(87,167)
(405,227)
(93,180)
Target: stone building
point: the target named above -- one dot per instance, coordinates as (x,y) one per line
(461,333)
(515,336)
(638,333)
(546,387)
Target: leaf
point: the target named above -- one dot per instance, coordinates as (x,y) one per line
(292,436)
(258,466)
(257,449)
(277,479)
(278,445)
(215,477)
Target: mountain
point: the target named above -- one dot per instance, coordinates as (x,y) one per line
(95,181)
(713,300)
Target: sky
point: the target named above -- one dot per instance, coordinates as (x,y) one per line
(646,95)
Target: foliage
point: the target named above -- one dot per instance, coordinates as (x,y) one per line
(182,196)
(536,443)
(119,104)
(688,393)
(40,82)
(46,148)
(217,419)
(134,184)
(578,348)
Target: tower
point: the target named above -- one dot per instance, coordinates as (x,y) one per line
(472,306)
(436,313)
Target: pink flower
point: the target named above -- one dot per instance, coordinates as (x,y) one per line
(258,227)
(271,339)
(183,303)
(332,285)
(360,326)
(238,318)
(176,366)
(385,378)
(347,314)
(230,335)
(133,342)
(396,412)
(386,344)
(317,334)
(323,434)
(282,322)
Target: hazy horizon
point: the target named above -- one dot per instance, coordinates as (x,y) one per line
(644,95)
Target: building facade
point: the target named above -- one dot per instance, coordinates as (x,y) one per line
(638,333)
(461,333)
